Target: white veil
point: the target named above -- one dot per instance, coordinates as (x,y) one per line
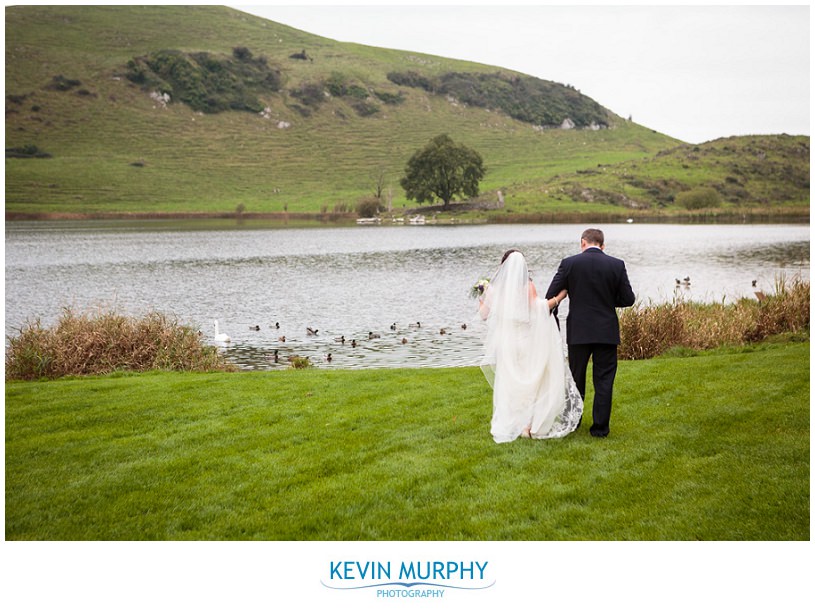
(524,359)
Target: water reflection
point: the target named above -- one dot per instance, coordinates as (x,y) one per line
(354,281)
(782,256)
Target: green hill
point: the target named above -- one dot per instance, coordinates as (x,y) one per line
(737,177)
(181,109)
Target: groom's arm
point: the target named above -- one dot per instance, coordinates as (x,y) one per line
(558,283)
(557,286)
(625,294)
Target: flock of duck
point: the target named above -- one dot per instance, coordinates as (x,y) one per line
(685,282)
(223,338)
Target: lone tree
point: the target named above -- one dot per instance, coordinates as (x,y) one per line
(443,169)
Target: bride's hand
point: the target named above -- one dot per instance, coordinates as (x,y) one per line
(554,302)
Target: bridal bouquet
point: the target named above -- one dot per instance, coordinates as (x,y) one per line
(479,287)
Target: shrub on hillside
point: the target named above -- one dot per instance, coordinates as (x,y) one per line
(703,198)
(368,207)
(336,84)
(389,98)
(207,82)
(365,108)
(411,79)
(106,342)
(527,99)
(310,94)
(242,53)
(62,84)
(357,92)
(26,151)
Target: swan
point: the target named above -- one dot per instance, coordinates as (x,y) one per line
(219,337)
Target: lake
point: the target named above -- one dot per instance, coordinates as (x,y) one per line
(401,292)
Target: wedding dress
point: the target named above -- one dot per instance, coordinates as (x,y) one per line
(524,360)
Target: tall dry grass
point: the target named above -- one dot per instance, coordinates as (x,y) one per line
(105,342)
(650,330)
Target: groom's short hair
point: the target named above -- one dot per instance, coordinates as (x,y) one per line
(594,237)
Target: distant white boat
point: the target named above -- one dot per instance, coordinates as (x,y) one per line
(417,220)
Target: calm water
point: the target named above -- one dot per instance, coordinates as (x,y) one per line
(354,281)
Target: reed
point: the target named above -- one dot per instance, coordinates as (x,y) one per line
(104,342)
(648,330)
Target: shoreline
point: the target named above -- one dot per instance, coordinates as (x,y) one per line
(349,219)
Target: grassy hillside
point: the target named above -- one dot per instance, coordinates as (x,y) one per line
(764,175)
(80,84)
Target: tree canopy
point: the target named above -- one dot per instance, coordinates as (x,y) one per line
(443,169)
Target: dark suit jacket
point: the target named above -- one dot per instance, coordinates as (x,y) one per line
(597,284)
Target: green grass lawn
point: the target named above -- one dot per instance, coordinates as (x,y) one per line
(710,447)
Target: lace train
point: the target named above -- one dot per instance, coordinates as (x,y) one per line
(568,420)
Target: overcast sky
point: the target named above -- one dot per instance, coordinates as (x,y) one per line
(692,72)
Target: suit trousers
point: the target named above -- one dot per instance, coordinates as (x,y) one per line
(604,369)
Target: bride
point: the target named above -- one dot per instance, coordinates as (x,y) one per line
(534,394)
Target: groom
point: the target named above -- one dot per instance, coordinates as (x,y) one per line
(597,284)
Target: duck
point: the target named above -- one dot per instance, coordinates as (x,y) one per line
(755,282)
(404,340)
(276,325)
(416,324)
(255,328)
(311,331)
(328,358)
(372,335)
(393,327)
(443,331)
(219,336)
(282,339)
(463,326)
(341,339)
(354,343)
